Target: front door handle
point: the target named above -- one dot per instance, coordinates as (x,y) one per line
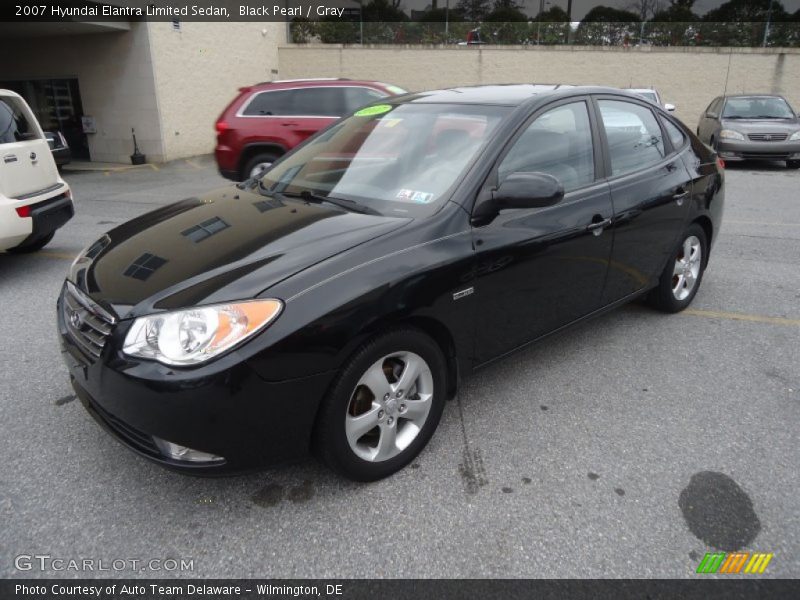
(596,227)
(680,195)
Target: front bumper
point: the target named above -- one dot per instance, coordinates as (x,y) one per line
(223,408)
(733,150)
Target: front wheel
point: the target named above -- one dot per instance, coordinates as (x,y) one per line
(681,278)
(383,407)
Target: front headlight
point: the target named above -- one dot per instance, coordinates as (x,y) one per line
(195,335)
(795,137)
(730,134)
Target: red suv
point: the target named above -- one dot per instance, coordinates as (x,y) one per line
(269,119)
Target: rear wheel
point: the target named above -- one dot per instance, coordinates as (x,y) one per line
(258,164)
(33,246)
(681,278)
(384,406)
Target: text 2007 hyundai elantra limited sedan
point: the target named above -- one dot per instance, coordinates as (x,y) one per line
(334,303)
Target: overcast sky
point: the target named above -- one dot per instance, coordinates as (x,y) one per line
(581,7)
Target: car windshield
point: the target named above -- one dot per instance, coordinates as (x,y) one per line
(398,160)
(757,107)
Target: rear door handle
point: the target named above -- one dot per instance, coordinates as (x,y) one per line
(596,227)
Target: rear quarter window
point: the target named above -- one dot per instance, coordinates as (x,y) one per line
(15,123)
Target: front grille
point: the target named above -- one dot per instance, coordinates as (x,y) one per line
(767,137)
(87,323)
(128,434)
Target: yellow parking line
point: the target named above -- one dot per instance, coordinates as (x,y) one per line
(193,164)
(762,223)
(717,314)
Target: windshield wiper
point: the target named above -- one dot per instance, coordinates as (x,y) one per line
(770,117)
(350,205)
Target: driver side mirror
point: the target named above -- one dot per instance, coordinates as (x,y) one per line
(521,190)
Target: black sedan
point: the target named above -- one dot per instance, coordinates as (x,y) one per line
(59,147)
(752,127)
(334,303)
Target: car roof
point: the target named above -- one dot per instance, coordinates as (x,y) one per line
(318,82)
(512,94)
(753,96)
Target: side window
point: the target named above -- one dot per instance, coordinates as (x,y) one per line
(277,103)
(356,97)
(674,133)
(634,137)
(558,142)
(320,102)
(14,124)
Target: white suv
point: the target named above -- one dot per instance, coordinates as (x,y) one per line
(34,200)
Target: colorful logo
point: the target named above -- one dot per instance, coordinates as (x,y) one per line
(733,562)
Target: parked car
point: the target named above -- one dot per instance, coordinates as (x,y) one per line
(335,302)
(59,147)
(34,200)
(752,127)
(267,120)
(652,95)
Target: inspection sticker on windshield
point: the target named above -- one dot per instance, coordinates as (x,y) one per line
(371,111)
(414,196)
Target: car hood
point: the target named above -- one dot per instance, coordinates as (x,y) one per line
(227,245)
(762,125)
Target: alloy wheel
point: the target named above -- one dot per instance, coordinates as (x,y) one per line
(389,406)
(259,168)
(687,267)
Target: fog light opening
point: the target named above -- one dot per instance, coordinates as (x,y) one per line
(182,453)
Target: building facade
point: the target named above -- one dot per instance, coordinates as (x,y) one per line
(167,81)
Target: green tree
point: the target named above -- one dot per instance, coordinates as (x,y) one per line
(604,25)
(674,25)
(742,23)
(473,10)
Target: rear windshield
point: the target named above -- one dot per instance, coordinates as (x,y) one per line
(15,126)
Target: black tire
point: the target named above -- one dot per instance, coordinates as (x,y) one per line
(264,157)
(33,246)
(330,442)
(663,297)
(793,164)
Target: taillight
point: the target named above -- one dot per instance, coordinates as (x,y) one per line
(720,163)
(221,126)
(24,211)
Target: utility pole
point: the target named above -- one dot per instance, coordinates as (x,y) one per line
(766,26)
(569,21)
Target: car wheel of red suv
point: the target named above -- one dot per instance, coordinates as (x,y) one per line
(257,164)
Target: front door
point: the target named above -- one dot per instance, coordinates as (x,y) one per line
(539,269)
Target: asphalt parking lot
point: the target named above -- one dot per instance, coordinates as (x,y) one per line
(625,447)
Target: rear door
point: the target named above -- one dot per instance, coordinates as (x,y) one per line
(26,163)
(650,190)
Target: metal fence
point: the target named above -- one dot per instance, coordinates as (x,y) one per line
(698,33)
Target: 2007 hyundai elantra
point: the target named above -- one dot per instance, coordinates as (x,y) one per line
(334,302)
